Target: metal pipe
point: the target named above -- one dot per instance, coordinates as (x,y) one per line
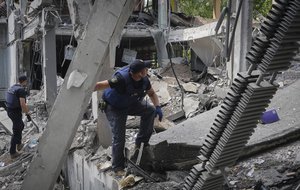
(229,3)
(251,68)
(221,19)
(273,77)
(260,78)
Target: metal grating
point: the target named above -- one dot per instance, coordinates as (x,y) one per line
(249,95)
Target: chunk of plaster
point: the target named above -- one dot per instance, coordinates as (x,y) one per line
(76,79)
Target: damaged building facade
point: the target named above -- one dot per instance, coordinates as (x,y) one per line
(64,47)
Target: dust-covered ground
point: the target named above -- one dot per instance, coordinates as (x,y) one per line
(276,169)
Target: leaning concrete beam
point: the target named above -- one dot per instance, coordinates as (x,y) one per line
(178,35)
(193,33)
(107,19)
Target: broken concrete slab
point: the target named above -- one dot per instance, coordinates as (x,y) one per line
(202,89)
(161,89)
(166,156)
(194,33)
(190,106)
(83,174)
(221,92)
(5,122)
(214,70)
(286,102)
(206,49)
(176,115)
(190,87)
(194,130)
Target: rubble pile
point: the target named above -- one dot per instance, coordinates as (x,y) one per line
(275,169)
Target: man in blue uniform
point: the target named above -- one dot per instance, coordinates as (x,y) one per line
(16,103)
(124,94)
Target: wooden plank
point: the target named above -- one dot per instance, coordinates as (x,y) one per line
(107,19)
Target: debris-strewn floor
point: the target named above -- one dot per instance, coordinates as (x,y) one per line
(277,169)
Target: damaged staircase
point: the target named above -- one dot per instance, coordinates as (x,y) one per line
(249,96)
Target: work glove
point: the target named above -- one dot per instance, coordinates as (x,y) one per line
(28,118)
(159,113)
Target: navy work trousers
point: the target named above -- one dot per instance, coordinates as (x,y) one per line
(18,126)
(117,120)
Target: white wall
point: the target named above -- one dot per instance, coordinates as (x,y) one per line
(83,175)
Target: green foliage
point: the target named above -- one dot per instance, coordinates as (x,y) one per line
(201,8)
(261,7)
(204,8)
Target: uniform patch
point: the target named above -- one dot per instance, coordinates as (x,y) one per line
(114,80)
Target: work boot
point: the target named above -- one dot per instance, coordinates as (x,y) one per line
(20,146)
(15,155)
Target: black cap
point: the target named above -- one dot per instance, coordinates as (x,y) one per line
(138,65)
(22,78)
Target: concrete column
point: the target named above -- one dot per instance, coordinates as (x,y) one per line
(49,66)
(160,36)
(79,12)
(12,50)
(23,4)
(13,66)
(162,14)
(106,20)
(242,39)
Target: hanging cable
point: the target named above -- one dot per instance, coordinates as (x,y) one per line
(170,55)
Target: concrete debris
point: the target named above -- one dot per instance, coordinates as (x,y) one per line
(162,125)
(33,143)
(179,60)
(215,71)
(191,106)
(177,153)
(103,167)
(176,116)
(202,89)
(76,79)
(221,92)
(127,182)
(190,87)
(161,89)
(177,176)
(5,122)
